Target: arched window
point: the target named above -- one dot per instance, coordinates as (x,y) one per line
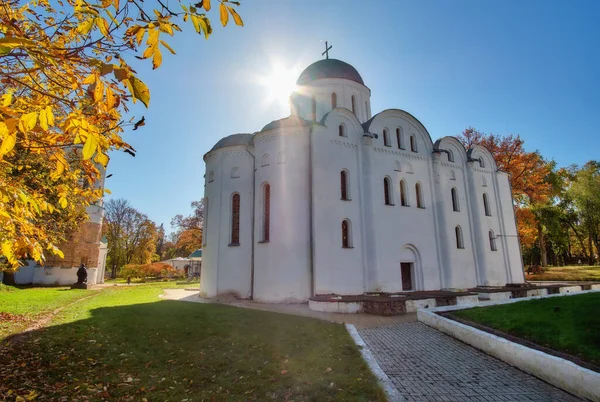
(386,138)
(344,185)
(420,203)
(450,156)
(452,175)
(265,160)
(486,205)
(459,237)
(398,166)
(333,100)
(341,130)
(346,234)
(399,138)
(314,109)
(235,219)
(413,143)
(235,173)
(403,195)
(493,241)
(211,177)
(481,161)
(387,191)
(455,206)
(483,181)
(353,99)
(266,229)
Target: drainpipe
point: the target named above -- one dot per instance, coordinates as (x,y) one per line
(310,211)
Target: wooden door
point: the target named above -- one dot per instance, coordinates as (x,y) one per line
(406,271)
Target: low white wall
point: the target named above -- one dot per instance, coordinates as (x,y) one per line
(554,370)
(413,305)
(539,292)
(569,289)
(335,307)
(495,295)
(61,276)
(467,300)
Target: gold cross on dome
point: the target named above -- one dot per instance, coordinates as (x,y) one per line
(326,52)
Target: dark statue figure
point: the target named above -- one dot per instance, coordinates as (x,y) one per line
(81,275)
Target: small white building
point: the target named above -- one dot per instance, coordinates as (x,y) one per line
(335,200)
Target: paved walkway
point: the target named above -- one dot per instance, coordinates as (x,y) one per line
(358,320)
(426,365)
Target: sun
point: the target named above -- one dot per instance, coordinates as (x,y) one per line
(280,83)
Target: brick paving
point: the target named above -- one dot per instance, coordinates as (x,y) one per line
(427,365)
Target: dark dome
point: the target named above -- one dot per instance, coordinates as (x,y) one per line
(233,140)
(329,68)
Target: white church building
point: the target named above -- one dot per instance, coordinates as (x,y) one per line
(336,200)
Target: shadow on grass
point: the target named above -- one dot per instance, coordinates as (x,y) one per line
(174,350)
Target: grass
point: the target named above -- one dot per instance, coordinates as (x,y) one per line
(573,329)
(126,344)
(22,306)
(568,273)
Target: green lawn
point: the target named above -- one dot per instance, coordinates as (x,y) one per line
(138,346)
(20,307)
(573,329)
(568,273)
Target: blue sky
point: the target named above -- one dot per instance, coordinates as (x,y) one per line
(523,67)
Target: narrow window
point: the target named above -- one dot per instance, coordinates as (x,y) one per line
(341,131)
(455,206)
(367,110)
(346,234)
(235,219)
(266,212)
(387,191)
(481,162)
(459,237)
(386,138)
(314,109)
(403,196)
(486,205)
(483,181)
(211,177)
(399,138)
(265,160)
(419,194)
(413,143)
(333,100)
(344,185)
(450,156)
(353,104)
(493,241)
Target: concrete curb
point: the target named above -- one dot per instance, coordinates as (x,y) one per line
(559,372)
(390,390)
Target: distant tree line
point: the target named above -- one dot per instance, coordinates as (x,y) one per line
(134,240)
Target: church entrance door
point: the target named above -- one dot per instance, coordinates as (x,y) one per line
(406,272)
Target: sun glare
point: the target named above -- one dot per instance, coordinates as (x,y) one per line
(280,83)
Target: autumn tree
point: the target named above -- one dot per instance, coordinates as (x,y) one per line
(188,230)
(130,234)
(66,84)
(529,173)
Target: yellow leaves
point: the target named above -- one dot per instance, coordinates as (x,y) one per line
(152,37)
(46,118)
(110,98)
(90,79)
(98,91)
(157,59)
(102,158)
(7,250)
(7,99)
(102,26)
(139,90)
(85,27)
(9,139)
(162,42)
(28,122)
(224,15)
(62,201)
(206,5)
(12,42)
(236,17)
(91,144)
(121,74)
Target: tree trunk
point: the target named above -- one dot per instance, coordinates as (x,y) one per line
(8,278)
(542,244)
(580,240)
(113,273)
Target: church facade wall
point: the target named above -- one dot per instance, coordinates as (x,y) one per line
(337,269)
(282,263)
